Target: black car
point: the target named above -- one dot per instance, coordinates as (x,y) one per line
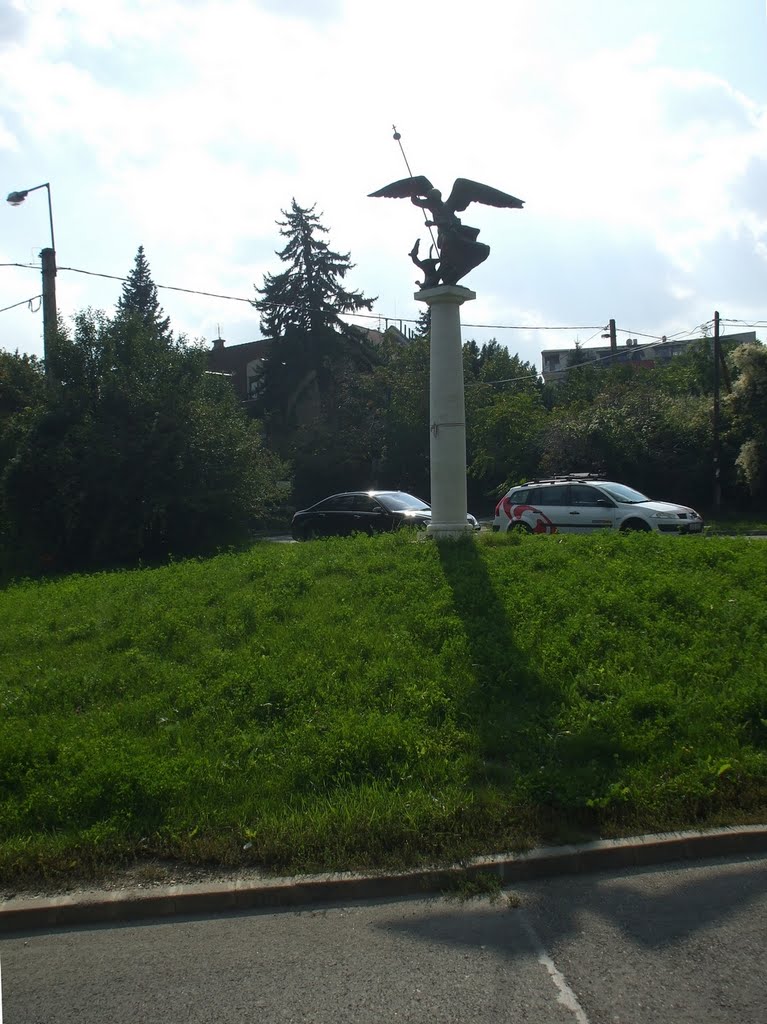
(363,512)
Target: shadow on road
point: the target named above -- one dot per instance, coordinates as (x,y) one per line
(653,908)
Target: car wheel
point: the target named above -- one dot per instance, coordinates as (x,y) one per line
(635,526)
(520,528)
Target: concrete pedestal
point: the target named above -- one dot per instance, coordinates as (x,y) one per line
(447,411)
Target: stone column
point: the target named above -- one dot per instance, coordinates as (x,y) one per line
(447,411)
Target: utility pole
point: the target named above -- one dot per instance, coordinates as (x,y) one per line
(715,417)
(48,260)
(50,316)
(613,340)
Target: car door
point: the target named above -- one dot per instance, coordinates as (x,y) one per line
(314,520)
(369,516)
(338,515)
(552,501)
(588,510)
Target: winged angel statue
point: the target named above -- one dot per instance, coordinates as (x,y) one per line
(457,245)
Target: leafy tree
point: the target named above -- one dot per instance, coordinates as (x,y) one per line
(139,299)
(691,373)
(400,394)
(503,413)
(747,405)
(341,446)
(22,390)
(22,393)
(583,383)
(505,441)
(138,453)
(21,383)
(635,432)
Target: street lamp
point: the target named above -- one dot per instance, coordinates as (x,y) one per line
(48,259)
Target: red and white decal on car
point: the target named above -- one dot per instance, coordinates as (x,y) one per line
(532,517)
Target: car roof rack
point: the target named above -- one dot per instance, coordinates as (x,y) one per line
(560,478)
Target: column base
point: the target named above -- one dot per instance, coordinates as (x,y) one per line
(449,531)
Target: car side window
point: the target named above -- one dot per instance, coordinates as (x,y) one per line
(580,495)
(520,498)
(343,503)
(364,503)
(586,496)
(556,495)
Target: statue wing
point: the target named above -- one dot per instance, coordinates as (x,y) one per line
(466,191)
(405,188)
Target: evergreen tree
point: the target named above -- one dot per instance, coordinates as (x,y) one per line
(423,323)
(139,300)
(309,294)
(313,349)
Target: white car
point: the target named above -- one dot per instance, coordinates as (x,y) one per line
(581,504)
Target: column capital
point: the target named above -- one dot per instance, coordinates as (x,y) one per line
(455,294)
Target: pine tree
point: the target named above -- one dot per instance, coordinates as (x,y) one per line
(139,300)
(423,323)
(309,294)
(301,311)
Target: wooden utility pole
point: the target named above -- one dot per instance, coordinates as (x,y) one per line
(715,417)
(613,339)
(50,316)
(48,259)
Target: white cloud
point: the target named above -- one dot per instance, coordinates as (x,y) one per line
(188,126)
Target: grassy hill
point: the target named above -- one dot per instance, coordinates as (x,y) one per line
(382,702)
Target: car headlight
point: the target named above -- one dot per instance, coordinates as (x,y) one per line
(663,515)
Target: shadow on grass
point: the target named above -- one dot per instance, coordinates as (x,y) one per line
(514,710)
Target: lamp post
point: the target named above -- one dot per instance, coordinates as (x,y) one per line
(48,259)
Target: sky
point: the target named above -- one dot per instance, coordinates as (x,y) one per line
(635,132)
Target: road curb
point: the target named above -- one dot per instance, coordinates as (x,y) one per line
(219,897)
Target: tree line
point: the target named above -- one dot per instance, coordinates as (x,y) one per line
(126,449)
(346,416)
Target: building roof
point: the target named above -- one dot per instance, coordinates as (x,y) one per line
(554,362)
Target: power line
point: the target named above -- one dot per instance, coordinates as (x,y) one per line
(531,327)
(166,287)
(363,316)
(405,320)
(745,323)
(24,302)
(638,334)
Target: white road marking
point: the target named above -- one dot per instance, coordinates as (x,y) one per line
(565,995)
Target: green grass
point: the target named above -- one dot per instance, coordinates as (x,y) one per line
(734,527)
(385,702)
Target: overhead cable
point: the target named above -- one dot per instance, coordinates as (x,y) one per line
(24,302)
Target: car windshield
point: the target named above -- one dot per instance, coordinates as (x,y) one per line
(624,494)
(399,501)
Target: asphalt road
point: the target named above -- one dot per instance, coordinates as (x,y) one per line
(673,945)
